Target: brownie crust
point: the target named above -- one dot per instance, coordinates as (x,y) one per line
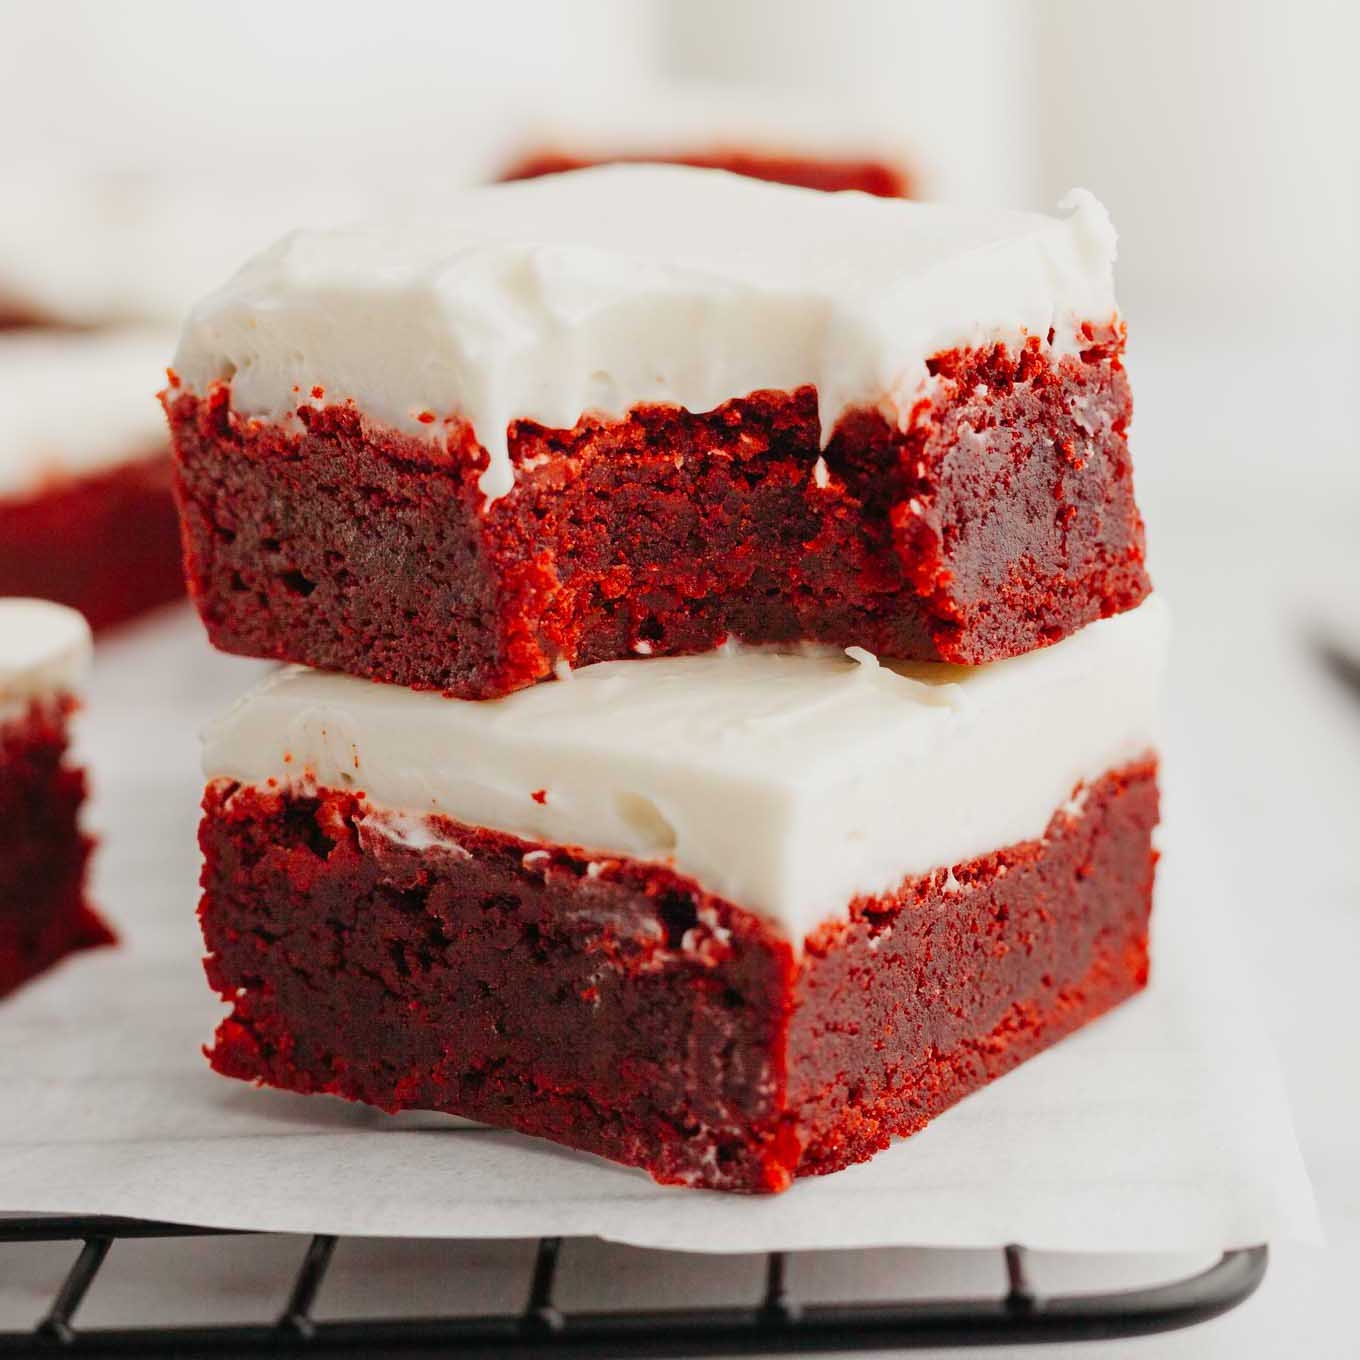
(107,543)
(1000,519)
(615,1007)
(43,912)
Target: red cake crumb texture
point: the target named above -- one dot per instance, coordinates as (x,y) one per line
(829,173)
(43,911)
(106,543)
(624,1011)
(1002,518)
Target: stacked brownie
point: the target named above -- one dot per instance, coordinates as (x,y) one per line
(720,733)
(44,915)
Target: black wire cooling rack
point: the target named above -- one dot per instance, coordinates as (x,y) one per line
(776,1322)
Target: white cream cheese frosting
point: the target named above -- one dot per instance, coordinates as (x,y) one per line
(45,651)
(74,403)
(598,290)
(785,783)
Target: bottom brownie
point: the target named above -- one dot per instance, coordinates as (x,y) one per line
(106,544)
(43,912)
(614,1006)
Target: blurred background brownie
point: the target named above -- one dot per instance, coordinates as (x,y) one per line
(805,141)
(87,517)
(44,914)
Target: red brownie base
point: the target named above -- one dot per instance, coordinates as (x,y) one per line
(16,316)
(622,1010)
(43,912)
(830,174)
(1001,519)
(107,544)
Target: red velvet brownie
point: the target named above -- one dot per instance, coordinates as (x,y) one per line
(804,141)
(87,517)
(643,410)
(44,915)
(732,918)
(829,174)
(15,316)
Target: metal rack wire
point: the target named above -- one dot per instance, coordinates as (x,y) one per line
(777,1322)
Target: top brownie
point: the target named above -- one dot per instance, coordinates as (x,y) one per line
(642,410)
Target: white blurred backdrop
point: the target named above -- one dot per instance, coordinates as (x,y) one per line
(1221,133)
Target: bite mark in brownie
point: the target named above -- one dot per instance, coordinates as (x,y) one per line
(1000,519)
(44,915)
(615,1007)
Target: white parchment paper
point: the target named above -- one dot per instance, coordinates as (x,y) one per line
(1163,1127)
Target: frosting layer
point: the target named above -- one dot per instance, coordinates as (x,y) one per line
(785,783)
(595,291)
(73,403)
(44,650)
